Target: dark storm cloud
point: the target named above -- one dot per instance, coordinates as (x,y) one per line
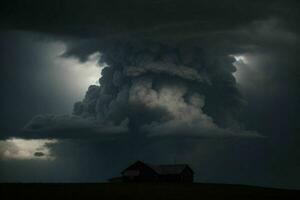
(117,17)
(168,61)
(169,65)
(158,89)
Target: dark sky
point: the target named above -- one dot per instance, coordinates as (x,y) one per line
(214,84)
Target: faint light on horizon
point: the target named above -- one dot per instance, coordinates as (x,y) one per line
(26,149)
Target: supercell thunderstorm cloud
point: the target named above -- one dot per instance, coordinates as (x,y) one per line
(209,83)
(155,89)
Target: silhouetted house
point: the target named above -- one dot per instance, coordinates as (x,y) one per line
(143,172)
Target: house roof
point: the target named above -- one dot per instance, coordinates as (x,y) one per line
(168,169)
(159,169)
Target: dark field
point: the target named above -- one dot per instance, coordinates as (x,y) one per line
(142,191)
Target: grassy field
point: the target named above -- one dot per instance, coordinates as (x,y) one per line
(141,191)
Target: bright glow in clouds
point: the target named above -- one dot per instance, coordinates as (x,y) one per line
(86,74)
(249,71)
(241,58)
(240,62)
(66,78)
(23,149)
(81,74)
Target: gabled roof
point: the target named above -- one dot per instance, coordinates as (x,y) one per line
(168,169)
(163,169)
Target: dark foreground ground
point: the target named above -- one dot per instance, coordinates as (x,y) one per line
(141,191)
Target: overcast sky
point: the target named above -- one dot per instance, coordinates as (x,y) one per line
(88,88)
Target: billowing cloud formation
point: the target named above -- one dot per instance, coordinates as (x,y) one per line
(186,57)
(158,68)
(156,89)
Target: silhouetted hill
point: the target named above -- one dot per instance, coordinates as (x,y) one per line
(141,191)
